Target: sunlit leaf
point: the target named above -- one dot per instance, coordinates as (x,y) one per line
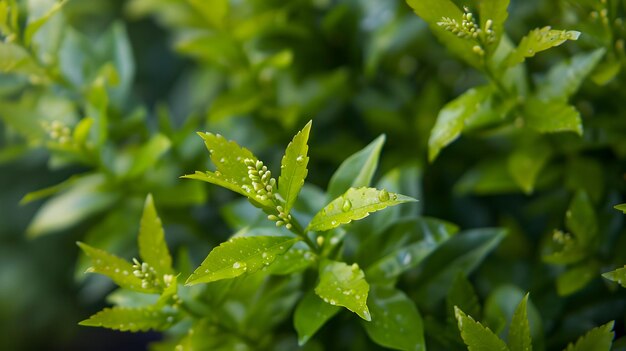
(620,207)
(132,319)
(344,285)
(354,205)
(540,39)
(519,331)
(152,246)
(618,276)
(293,169)
(597,339)
(118,269)
(239,256)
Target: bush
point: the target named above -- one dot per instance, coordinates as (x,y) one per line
(457,185)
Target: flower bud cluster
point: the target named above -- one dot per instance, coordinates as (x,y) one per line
(283,218)
(261,178)
(146,273)
(468,28)
(58,132)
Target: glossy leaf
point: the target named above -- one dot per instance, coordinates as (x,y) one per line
(476,336)
(538,40)
(357,170)
(519,331)
(452,117)
(132,319)
(310,315)
(396,322)
(118,269)
(355,204)
(618,276)
(552,116)
(239,256)
(293,169)
(344,285)
(597,339)
(564,79)
(152,246)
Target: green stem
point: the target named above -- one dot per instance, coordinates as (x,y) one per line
(298,230)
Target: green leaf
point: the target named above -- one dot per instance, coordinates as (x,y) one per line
(152,246)
(452,118)
(15,59)
(310,315)
(477,337)
(463,296)
(552,116)
(344,285)
(240,255)
(149,154)
(33,25)
(357,170)
(396,322)
(597,339)
(564,80)
(576,278)
(526,162)
(618,276)
(540,39)
(292,261)
(293,168)
(132,319)
(118,269)
(354,205)
(519,331)
(85,198)
(170,290)
(580,219)
(620,207)
(232,173)
(496,11)
(432,12)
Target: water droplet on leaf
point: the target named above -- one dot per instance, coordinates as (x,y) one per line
(347,205)
(383,195)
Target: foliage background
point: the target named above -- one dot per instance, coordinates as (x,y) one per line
(256,73)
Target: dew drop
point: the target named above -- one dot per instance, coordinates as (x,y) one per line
(299,159)
(383,195)
(347,205)
(236,265)
(332,302)
(334,223)
(264,255)
(406,259)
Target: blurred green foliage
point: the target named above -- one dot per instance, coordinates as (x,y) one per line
(100,101)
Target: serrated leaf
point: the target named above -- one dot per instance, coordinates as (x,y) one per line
(118,269)
(477,337)
(580,219)
(355,204)
(294,260)
(152,246)
(552,116)
(33,26)
(597,339)
(396,322)
(293,168)
(452,117)
(132,319)
(344,285)
(310,315)
(564,80)
(618,276)
(240,255)
(357,170)
(232,173)
(519,331)
(540,39)
(432,12)
(620,207)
